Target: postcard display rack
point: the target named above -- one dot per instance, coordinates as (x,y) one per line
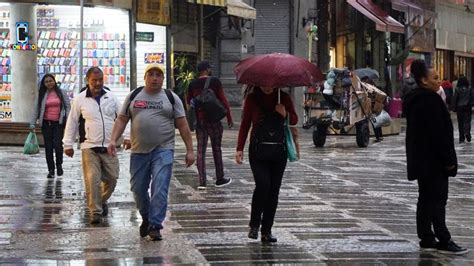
(58,49)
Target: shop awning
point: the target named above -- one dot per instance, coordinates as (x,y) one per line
(208,2)
(234,7)
(240,9)
(383,21)
(406,6)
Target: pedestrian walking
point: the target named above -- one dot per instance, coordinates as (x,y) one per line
(431,158)
(206,127)
(448,91)
(51,112)
(99,108)
(462,105)
(264,113)
(154,113)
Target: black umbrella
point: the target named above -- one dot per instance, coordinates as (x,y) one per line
(367,73)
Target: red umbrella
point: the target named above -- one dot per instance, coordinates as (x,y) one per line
(277,70)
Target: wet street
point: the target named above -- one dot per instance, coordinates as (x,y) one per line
(339,205)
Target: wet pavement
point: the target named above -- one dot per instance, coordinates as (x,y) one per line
(339,205)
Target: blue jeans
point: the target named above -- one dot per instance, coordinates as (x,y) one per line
(155,167)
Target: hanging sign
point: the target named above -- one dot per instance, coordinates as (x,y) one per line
(155,12)
(154,58)
(22,38)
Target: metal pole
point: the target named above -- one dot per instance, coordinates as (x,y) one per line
(201,37)
(81,44)
(310,41)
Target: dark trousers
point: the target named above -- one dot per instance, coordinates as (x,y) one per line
(267,176)
(464,115)
(53,135)
(204,131)
(378,132)
(431,209)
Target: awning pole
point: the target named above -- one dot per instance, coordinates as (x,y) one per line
(81,43)
(201,37)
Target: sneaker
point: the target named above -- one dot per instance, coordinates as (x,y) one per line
(253,232)
(468,137)
(428,245)
(202,185)
(223,182)
(60,171)
(451,248)
(154,233)
(95,219)
(105,209)
(50,174)
(144,228)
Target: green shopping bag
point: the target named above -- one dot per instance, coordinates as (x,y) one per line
(31,144)
(290,143)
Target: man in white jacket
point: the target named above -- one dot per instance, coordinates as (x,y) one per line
(99,108)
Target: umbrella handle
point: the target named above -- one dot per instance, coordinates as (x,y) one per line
(278,95)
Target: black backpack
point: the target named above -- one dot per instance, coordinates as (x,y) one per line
(209,103)
(136,91)
(269,137)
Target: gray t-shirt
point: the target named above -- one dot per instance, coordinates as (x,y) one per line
(152,120)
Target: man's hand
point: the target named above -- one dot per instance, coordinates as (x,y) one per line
(451,167)
(69,152)
(230,124)
(127,144)
(280,108)
(189,158)
(239,157)
(112,149)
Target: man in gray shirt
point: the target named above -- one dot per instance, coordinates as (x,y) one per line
(154,113)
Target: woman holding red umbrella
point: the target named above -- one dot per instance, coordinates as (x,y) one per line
(265,110)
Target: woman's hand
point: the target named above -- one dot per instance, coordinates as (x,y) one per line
(280,108)
(239,157)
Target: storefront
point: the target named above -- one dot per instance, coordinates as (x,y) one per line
(107,43)
(454,48)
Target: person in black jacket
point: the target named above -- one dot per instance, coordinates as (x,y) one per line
(431,158)
(462,105)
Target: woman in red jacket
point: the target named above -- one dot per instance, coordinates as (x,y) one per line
(262,103)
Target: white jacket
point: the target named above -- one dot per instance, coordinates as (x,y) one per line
(99,119)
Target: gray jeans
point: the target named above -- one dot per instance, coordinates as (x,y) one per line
(100,177)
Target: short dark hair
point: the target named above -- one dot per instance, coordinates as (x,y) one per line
(463,82)
(419,70)
(92,70)
(204,65)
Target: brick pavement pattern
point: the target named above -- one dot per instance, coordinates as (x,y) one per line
(339,205)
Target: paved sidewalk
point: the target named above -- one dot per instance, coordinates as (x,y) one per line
(339,205)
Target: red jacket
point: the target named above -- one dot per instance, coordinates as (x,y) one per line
(252,112)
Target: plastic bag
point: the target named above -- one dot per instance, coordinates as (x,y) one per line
(382,120)
(31,144)
(290,144)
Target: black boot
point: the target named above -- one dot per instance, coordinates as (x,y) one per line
(268,238)
(50,174)
(468,137)
(253,232)
(60,170)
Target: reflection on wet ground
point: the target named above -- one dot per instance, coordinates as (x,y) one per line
(339,205)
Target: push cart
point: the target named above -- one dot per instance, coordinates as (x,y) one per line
(342,106)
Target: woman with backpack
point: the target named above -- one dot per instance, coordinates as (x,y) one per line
(265,111)
(462,105)
(51,112)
